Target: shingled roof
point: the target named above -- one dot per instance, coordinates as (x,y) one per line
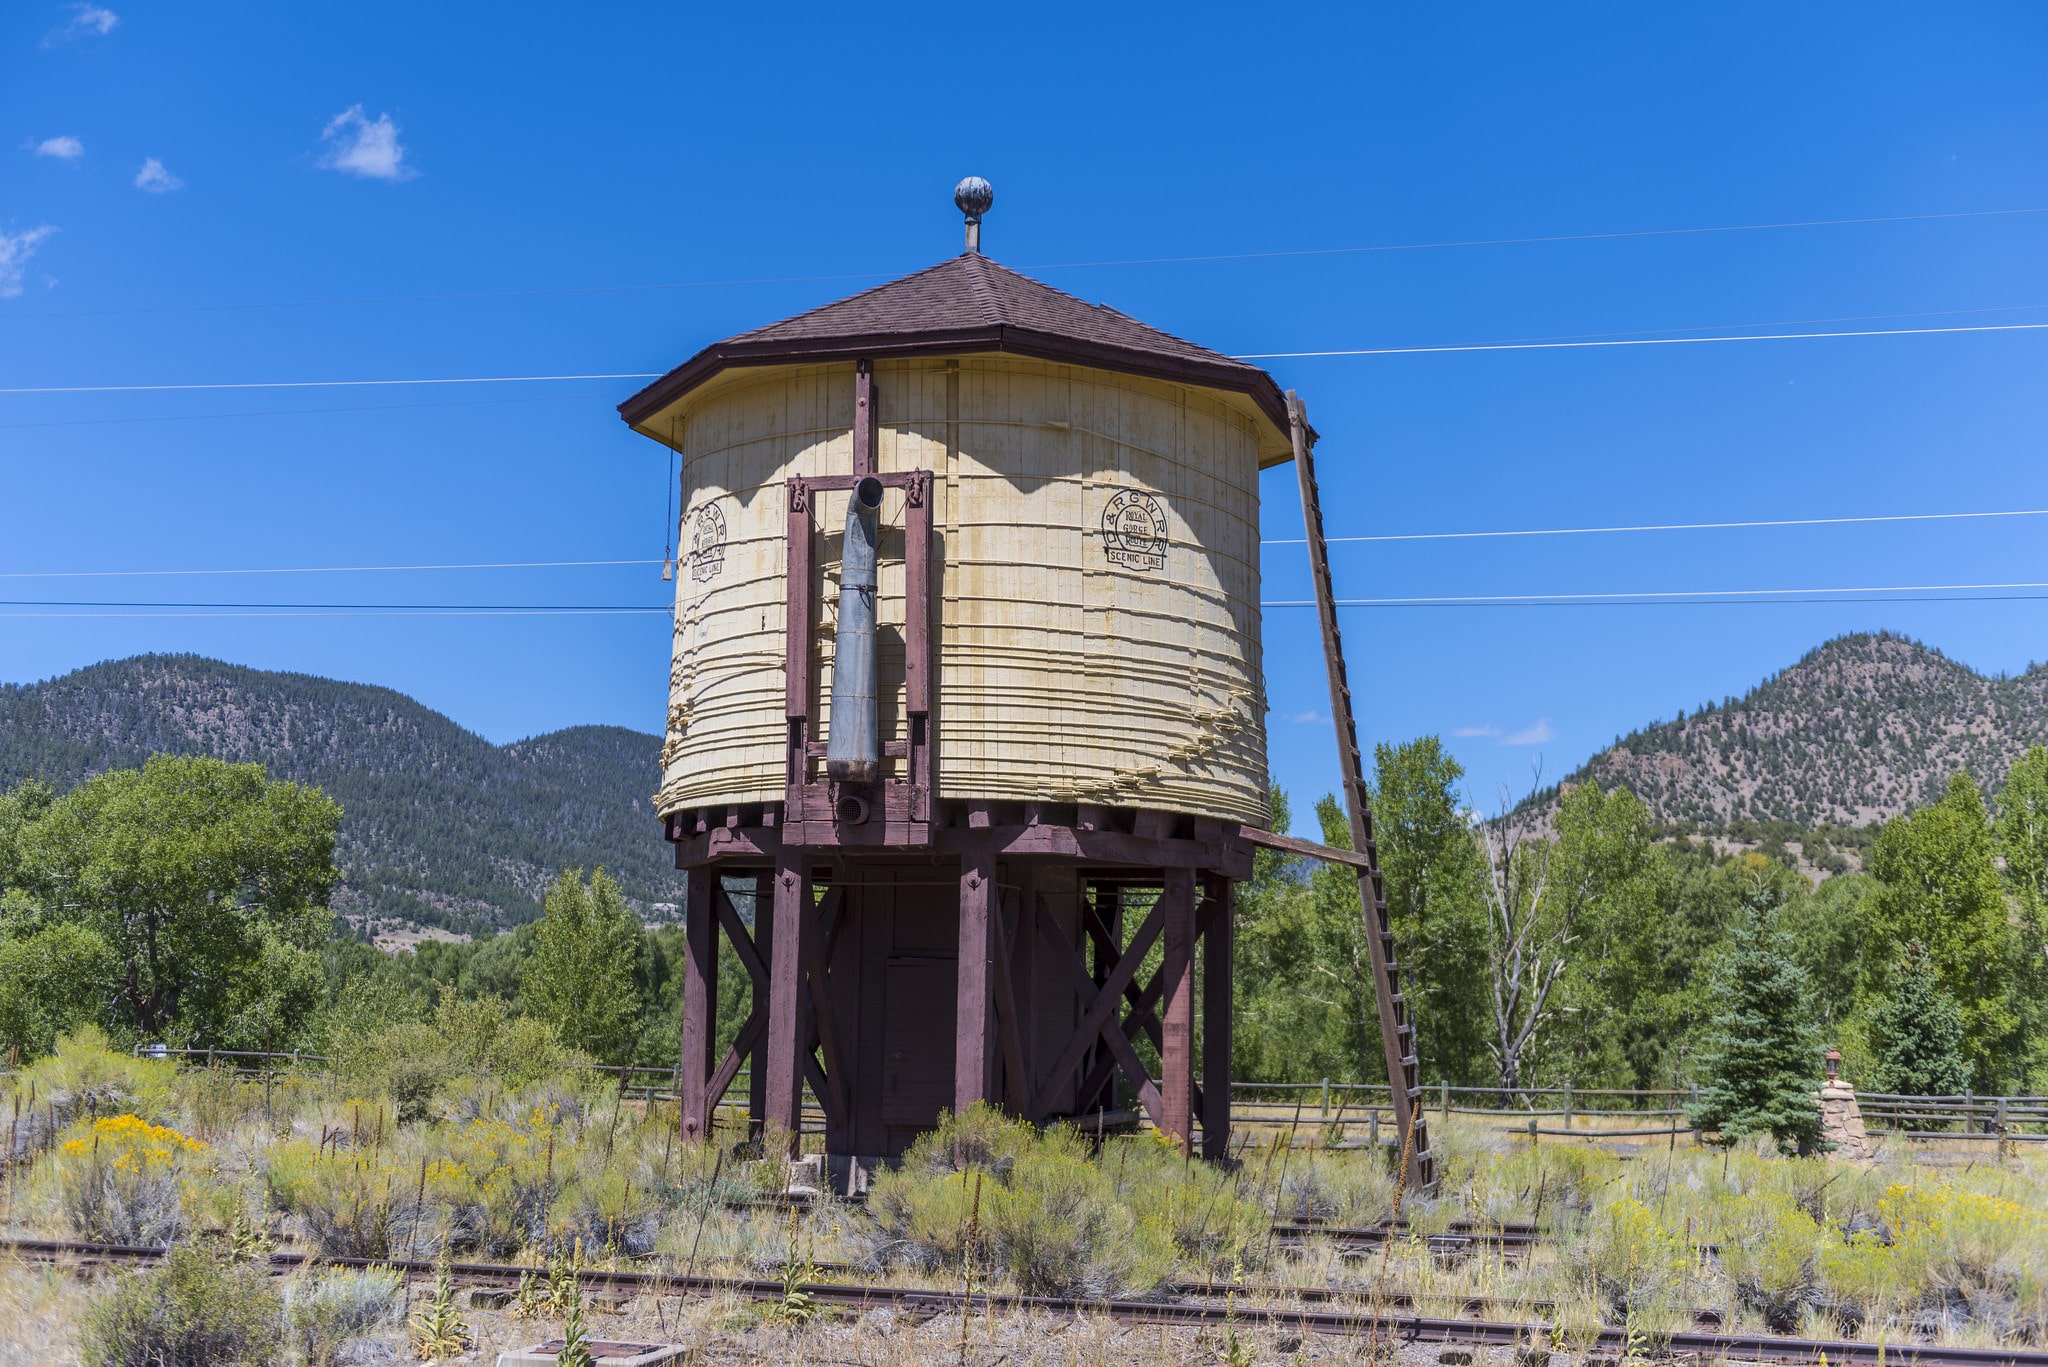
(964,305)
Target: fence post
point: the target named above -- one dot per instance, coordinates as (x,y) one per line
(1969,1109)
(1326,1098)
(1533,1140)
(1372,1130)
(1567,1105)
(2000,1122)
(1445,1094)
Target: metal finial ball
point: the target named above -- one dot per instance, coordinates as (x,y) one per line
(974,196)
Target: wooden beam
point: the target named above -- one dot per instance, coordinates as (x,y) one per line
(1218,946)
(971,1022)
(785,985)
(1308,849)
(824,1021)
(748,1041)
(1110,1063)
(1016,1087)
(1177,970)
(764,942)
(866,432)
(700,1007)
(1099,1011)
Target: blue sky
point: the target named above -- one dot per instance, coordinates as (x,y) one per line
(182,186)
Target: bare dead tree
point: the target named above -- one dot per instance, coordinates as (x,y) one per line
(1537,890)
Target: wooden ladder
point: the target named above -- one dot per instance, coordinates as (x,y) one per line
(1397,1029)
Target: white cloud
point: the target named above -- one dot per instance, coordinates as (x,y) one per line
(93,21)
(154,179)
(364,147)
(1303,718)
(1534,735)
(1469,731)
(63,148)
(15,250)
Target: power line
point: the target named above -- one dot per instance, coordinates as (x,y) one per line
(307,412)
(363,612)
(316,384)
(326,569)
(429,568)
(1817,595)
(1364,250)
(345,607)
(1245,356)
(1620,342)
(1670,527)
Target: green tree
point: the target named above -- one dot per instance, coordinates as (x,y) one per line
(1918,1033)
(1939,885)
(1285,1027)
(581,977)
(1760,1067)
(207,884)
(1430,866)
(51,982)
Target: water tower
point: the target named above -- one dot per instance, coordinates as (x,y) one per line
(966,689)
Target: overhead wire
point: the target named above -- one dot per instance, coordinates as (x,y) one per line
(1669,527)
(1281,253)
(630,562)
(1824,594)
(1241,356)
(1623,342)
(308,412)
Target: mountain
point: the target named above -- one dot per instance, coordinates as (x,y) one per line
(440,828)
(1861,729)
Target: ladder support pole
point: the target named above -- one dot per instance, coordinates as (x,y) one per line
(1397,1032)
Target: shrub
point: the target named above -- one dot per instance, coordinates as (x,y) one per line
(342,1306)
(1630,1259)
(1048,1217)
(1772,1259)
(352,1204)
(122,1181)
(469,1047)
(199,1309)
(87,1076)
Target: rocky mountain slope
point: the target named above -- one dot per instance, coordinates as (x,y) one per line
(440,828)
(1863,728)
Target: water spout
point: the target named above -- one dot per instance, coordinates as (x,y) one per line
(853,752)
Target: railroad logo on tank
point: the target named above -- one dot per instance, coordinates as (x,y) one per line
(707,543)
(1134,531)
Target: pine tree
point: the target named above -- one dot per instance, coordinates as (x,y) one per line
(1918,1032)
(1760,1066)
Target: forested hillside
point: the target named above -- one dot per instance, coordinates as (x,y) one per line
(1862,729)
(439,827)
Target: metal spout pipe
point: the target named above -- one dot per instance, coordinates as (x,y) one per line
(853,751)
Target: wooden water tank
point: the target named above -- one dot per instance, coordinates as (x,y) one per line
(1095,543)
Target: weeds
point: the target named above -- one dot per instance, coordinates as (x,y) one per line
(123,1180)
(198,1309)
(340,1307)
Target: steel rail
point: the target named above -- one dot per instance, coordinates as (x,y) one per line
(1342,1323)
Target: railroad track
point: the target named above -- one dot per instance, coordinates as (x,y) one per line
(1709,1345)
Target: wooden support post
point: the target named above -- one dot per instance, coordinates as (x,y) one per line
(1177,972)
(764,946)
(1217,950)
(866,434)
(974,1002)
(700,1005)
(785,1071)
(1397,1030)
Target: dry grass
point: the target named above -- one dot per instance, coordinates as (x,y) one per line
(559,1168)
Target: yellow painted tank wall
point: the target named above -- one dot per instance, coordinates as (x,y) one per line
(1096,575)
